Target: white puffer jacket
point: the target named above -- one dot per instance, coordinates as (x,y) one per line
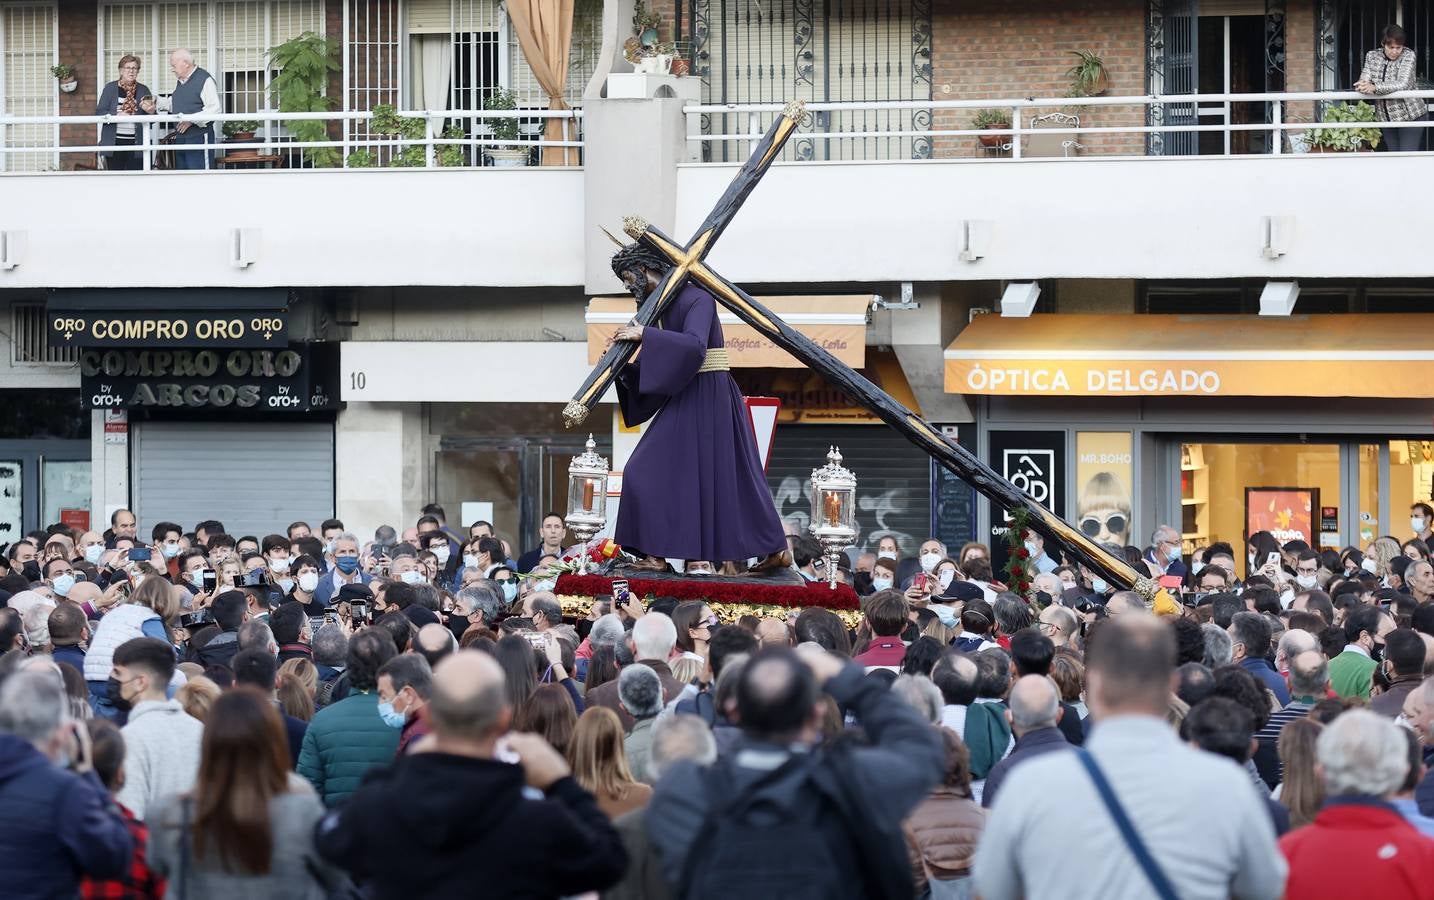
(123,623)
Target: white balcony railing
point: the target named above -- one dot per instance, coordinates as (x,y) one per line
(1062,127)
(450,138)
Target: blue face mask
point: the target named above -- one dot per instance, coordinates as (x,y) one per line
(1098,585)
(391,718)
(1173,554)
(347,564)
(93,553)
(510,591)
(170,551)
(946,614)
(63,583)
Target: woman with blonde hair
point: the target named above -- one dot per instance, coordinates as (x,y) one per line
(298,680)
(686,669)
(1302,789)
(1382,550)
(197,696)
(600,763)
(149,611)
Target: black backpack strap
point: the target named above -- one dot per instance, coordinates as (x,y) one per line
(1163,888)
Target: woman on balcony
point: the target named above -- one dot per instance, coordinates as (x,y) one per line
(1390,69)
(123,98)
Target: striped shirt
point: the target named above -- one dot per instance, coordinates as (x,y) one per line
(1267,758)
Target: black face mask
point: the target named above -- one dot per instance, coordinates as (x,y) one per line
(1376,652)
(458,624)
(31,571)
(862,582)
(112,692)
(584,627)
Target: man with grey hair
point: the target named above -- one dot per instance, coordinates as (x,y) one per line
(640,692)
(331,650)
(404,838)
(195,96)
(1164,553)
(256,635)
(1309,684)
(1359,845)
(651,640)
(1292,643)
(1122,602)
(1058,623)
(1218,649)
(345,567)
(1034,713)
(59,824)
(921,695)
(479,604)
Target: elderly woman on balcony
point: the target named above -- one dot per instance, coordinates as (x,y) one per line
(1390,69)
(123,97)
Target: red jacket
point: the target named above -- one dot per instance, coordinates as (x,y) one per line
(1358,847)
(883,651)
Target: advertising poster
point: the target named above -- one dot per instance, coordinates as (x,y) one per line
(1288,513)
(1105,475)
(1035,462)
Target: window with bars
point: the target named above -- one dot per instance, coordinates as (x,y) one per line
(28,48)
(28,344)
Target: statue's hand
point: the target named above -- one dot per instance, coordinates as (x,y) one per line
(629,333)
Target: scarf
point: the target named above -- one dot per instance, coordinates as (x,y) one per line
(127,104)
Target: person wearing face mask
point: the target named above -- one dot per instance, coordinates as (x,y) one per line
(404,685)
(345,567)
(1040,561)
(1403,667)
(436,542)
(1351,672)
(946,573)
(166,546)
(275,549)
(930,553)
(948,603)
(90,548)
(883,574)
(306,585)
(507,581)
(404,565)
(1421,522)
(60,575)
(1164,552)
(1307,570)
(161,740)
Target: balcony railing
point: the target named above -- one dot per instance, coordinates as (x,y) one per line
(1063,127)
(447,138)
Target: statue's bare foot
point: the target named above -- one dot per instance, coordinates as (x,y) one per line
(782,559)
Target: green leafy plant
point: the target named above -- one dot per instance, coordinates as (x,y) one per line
(63,72)
(1345,139)
(304,65)
(242,127)
(1088,77)
(505,128)
(386,120)
(451,155)
(991,118)
(360,159)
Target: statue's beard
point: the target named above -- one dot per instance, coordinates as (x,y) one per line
(639,289)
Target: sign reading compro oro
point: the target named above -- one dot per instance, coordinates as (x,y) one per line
(836,323)
(1193,356)
(151,328)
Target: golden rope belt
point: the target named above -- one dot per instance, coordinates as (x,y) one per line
(715,361)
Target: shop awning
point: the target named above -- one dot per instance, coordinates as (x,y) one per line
(835,322)
(1210,356)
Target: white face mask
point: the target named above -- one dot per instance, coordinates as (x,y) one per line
(1031,548)
(929,561)
(442,551)
(279,565)
(946,578)
(1068,585)
(308,581)
(1196,566)
(1306,581)
(329,547)
(1287,596)
(286,584)
(470,561)
(1369,565)
(412,576)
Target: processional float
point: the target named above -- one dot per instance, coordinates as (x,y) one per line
(688,262)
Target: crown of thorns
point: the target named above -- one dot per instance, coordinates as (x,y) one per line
(635,256)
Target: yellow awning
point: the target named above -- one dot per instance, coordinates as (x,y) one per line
(836,322)
(1198,356)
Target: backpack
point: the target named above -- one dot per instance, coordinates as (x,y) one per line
(328,689)
(753,847)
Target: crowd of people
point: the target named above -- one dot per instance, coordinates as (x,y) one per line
(312,715)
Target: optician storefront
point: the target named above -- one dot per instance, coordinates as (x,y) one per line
(1221,425)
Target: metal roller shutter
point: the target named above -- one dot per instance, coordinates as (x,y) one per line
(255,477)
(893,480)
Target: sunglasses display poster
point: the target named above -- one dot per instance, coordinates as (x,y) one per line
(1105,474)
(1035,462)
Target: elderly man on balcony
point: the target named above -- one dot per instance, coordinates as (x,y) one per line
(195,94)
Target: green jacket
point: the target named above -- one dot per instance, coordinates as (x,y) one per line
(1350,674)
(988,734)
(343,742)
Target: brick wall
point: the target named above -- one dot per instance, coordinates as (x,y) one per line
(996,48)
(1300,56)
(77,20)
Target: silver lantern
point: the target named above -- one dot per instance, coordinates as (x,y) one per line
(587,497)
(833,510)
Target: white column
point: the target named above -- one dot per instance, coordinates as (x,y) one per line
(109,465)
(378,466)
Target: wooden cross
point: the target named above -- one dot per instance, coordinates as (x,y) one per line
(689,263)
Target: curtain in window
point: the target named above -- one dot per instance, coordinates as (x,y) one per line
(431,68)
(545,32)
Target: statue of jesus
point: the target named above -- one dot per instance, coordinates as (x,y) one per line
(694,487)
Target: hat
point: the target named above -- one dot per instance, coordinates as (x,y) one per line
(351,592)
(962,591)
(421,615)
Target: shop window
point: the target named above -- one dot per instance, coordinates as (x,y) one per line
(1411,480)
(1229,490)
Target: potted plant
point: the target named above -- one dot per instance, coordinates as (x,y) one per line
(1088,76)
(451,155)
(504,129)
(66,76)
(240,132)
(992,119)
(387,121)
(1344,140)
(645,49)
(304,65)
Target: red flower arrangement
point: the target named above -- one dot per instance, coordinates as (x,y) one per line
(780,595)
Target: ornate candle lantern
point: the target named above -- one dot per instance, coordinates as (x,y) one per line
(833,510)
(587,496)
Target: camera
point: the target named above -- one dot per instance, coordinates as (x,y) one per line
(189,620)
(209,580)
(358,611)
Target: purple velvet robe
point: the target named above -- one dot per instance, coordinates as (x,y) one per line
(694,487)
